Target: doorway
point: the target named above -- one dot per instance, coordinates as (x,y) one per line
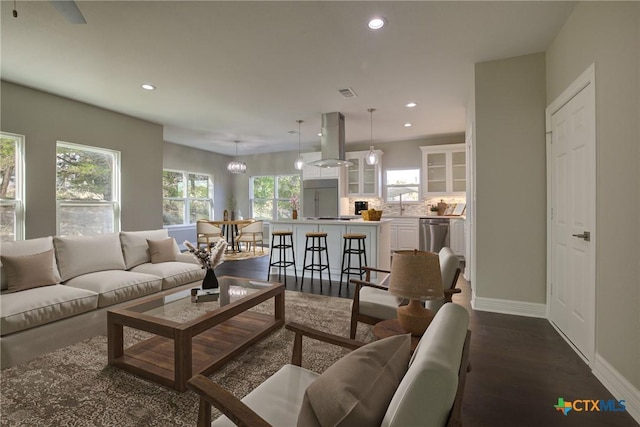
(571,222)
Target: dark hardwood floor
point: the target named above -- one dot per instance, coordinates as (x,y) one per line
(520,365)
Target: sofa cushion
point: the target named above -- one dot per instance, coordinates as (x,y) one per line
(135,247)
(173,273)
(164,250)
(27,247)
(356,390)
(115,286)
(433,372)
(87,254)
(30,271)
(34,307)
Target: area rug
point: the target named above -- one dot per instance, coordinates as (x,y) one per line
(237,256)
(74,386)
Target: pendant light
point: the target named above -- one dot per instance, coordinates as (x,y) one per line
(235,166)
(372,156)
(299,163)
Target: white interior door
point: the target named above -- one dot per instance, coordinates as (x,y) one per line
(572,223)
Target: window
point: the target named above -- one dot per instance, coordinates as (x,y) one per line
(11,187)
(187,197)
(271,196)
(403,185)
(87,190)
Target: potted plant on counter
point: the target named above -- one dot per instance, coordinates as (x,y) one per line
(295,202)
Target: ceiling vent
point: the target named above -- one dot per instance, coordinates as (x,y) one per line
(347,93)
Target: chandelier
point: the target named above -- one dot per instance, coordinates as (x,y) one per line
(235,166)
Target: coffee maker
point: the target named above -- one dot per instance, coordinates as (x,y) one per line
(361,206)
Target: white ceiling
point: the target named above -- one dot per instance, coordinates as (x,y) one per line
(247,71)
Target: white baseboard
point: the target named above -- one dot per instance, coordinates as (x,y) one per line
(618,386)
(504,306)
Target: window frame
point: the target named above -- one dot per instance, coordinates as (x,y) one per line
(18,201)
(387,186)
(115,201)
(187,200)
(275,199)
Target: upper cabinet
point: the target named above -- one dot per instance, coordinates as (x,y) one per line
(444,170)
(315,172)
(363,179)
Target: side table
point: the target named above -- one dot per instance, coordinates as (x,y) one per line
(391,327)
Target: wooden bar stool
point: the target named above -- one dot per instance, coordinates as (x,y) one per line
(316,243)
(347,251)
(282,245)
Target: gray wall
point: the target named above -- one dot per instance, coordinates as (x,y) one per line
(510,179)
(44,119)
(608,35)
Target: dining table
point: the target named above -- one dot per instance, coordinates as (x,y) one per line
(230,229)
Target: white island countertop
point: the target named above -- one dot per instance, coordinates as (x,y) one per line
(377,241)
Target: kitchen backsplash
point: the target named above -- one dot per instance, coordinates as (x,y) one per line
(410,209)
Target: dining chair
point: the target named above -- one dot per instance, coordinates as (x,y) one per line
(208,233)
(251,234)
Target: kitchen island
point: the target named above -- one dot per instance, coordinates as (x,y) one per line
(376,243)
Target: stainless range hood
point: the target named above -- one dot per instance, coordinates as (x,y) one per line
(332,142)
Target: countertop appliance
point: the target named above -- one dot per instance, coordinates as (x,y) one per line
(360,206)
(320,198)
(434,234)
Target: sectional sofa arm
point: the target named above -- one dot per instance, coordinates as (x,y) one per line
(212,394)
(302,330)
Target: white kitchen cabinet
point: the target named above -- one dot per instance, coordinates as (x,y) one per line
(363,179)
(403,233)
(315,172)
(457,237)
(444,171)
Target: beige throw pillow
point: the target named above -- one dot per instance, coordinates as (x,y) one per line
(162,250)
(357,389)
(30,271)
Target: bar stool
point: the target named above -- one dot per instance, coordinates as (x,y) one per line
(318,246)
(282,263)
(347,251)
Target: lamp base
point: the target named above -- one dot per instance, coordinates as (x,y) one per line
(414,318)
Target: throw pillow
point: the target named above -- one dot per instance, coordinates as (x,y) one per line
(162,250)
(30,271)
(357,389)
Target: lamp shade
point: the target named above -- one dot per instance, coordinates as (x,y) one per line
(416,275)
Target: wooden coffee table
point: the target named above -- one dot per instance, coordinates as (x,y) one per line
(191,338)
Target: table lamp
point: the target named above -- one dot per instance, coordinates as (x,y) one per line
(415,275)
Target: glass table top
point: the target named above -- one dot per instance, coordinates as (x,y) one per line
(181,306)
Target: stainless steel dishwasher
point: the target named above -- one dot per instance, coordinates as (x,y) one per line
(434,234)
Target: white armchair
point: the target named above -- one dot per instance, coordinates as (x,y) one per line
(251,234)
(389,390)
(372,302)
(208,233)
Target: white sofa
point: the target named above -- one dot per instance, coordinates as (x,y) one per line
(94,274)
(428,392)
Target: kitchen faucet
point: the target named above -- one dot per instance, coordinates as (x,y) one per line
(401,207)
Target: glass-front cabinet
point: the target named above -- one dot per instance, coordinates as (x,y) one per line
(444,169)
(363,179)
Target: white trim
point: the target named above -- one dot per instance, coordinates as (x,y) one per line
(618,386)
(585,79)
(518,308)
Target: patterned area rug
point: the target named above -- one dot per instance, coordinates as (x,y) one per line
(74,386)
(237,256)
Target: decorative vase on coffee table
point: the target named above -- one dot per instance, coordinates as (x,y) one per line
(210,280)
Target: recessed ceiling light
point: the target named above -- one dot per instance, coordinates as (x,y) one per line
(410,105)
(147,86)
(407,125)
(319,133)
(377,23)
